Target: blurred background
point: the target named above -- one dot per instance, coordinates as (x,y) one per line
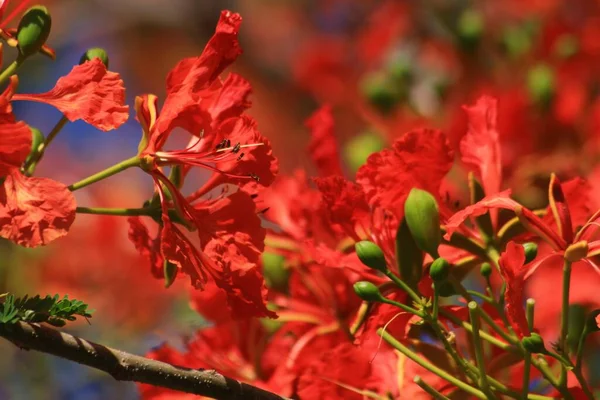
(385,66)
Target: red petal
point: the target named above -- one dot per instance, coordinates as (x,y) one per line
(495,201)
(197,73)
(560,209)
(15,145)
(231,234)
(419,159)
(323,146)
(480,147)
(346,204)
(34,211)
(511,264)
(258,160)
(89,92)
(231,99)
(146,246)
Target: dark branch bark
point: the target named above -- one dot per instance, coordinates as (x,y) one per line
(128,367)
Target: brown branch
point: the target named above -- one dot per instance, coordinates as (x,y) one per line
(128,367)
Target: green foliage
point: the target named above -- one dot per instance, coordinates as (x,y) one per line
(50,309)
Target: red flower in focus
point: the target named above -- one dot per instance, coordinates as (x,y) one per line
(33,211)
(89,92)
(231,238)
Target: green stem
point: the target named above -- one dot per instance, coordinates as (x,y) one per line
(39,152)
(564,320)
(580,343)
(11,69)
(475,322)
(401,306)
(110,171)
(529,312)
(429,390)
(429,366)
(436,301)
(485,336)
(125,212)
(413,295)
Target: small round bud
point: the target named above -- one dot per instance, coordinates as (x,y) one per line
(445,289)
(534,344)
(531,250)
(516,40)
(95,52)
(33,31)
(566,46)
(485,270)
(371,255)
(275,271)
(439,270)
(541,84)
(470,28)
(381,93)
(360,147)
(367,291)
(423,219)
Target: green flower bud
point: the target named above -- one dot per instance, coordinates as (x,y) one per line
(275,271)
(531,250)
(486,270)
(360,147)
(534,344)
(566,46)
(170,272)
(381,93)
(439,270)
(541,84)
(423,219)
(470,28)
(516,41)
(445,289)
(95,52)
(367,291)
(371,255)
(33,31)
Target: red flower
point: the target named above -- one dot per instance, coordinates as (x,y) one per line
(419,159)
(34,211)
(15,136)
(512,262)
(323,146)
(89,92)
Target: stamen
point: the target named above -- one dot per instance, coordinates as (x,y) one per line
(237,148)
(240,156)
(254,176)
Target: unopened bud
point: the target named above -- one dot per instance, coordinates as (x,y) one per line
(381,93)
(371,255)
(367,291)
(485,270)
(423,219)
(541,84)
(275,271)
(439,270)
(531,250)
(470,28)
(534,344)
(566,46)
(95,52)
(33,31)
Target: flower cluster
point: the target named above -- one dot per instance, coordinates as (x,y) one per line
(423,276)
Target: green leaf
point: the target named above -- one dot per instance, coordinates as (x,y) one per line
(49,309)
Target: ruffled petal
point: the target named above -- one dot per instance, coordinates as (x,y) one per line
(34,211)
(511,264)
(90,93)
(323,147)
(389,175)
